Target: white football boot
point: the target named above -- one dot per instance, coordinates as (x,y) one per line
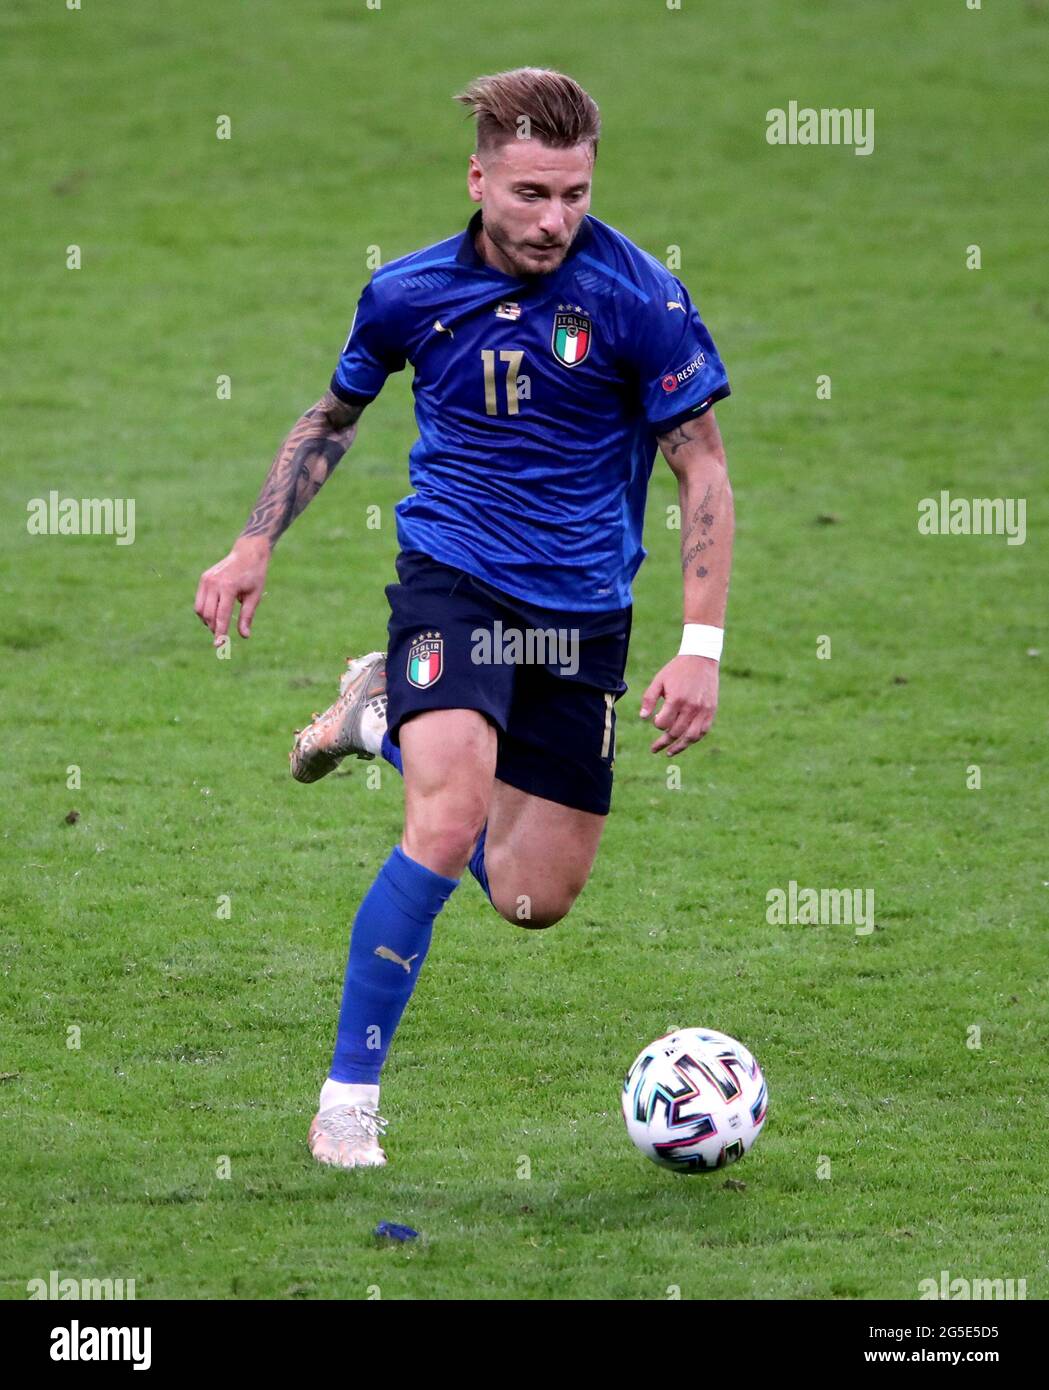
(354,724)
(347,1136)
(354,666)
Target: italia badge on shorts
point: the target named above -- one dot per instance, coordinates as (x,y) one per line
(425,660)
(572,334)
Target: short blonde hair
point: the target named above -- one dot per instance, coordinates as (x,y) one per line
(548,105)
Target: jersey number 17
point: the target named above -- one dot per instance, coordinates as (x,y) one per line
(513,362)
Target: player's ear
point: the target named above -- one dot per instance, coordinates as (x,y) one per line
(475,179)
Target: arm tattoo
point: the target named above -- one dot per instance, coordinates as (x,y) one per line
(702,434)
(704,520)
(304,463)
(679,436)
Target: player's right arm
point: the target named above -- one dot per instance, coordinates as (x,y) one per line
(304,463)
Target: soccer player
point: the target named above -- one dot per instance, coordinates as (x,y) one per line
(550,355)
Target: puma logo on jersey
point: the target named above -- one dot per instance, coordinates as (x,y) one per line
(438,327)
(675,304)
(387,954)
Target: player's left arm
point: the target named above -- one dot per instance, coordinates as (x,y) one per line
(688,685)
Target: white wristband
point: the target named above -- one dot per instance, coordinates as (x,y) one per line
(698,639)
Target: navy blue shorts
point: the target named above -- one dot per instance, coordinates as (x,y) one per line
(547,679)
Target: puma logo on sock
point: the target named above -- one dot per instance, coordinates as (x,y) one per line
(387,954)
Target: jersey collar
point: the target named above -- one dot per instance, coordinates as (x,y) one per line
(467,252)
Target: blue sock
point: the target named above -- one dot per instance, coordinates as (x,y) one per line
(393,925)
(477,862)
(392,754)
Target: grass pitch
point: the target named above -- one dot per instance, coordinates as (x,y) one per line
(149,1045)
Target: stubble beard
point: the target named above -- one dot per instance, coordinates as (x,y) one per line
(510,253)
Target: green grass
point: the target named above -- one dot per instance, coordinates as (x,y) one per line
(202,1037)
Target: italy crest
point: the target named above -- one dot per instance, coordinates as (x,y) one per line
(425,660)
(571,338)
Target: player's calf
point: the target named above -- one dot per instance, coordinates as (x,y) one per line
(538,855)
(532,910)
(534,893)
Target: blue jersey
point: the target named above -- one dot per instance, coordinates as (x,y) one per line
(538,401)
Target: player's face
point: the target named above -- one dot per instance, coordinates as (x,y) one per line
(533,199)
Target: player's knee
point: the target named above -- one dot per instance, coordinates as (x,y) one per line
(447,847)
(444,837)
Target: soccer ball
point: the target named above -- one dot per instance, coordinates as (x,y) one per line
(694,1100)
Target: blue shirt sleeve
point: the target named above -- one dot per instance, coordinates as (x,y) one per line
(680,374)
(371,353)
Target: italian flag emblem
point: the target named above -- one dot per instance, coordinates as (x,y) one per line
(425,660)
(571,340)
